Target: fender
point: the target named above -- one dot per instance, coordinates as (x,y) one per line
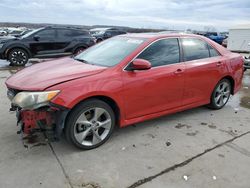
(16,45)
(80,45)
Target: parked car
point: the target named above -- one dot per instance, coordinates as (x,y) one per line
(104,33)
(121,81)
(44,43)
(224,42)
(246,63)
(247,60)
(23,33)
(15,32)
(215,37)
(3,33)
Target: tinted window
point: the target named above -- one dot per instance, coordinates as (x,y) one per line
(213,52)
(109,33)
(162,52)
(64,33)
(194,49)
(79,33)
(47,33)
(71,33)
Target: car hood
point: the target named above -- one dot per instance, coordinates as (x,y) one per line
(43,75)
(4,39)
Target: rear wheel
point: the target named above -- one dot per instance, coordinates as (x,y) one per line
(18,57)
(79,50)
(90,124)
(98,40)
(221,94)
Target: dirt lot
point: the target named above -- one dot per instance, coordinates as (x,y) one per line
(195,148)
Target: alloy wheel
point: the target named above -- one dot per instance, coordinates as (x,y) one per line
(92,126)
(18,57)
(222,94)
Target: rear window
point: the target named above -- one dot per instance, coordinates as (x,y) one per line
(71,33)
(194,49)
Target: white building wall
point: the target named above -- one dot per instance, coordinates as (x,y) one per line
(238,40)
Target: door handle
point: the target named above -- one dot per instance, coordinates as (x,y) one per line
(178,71)
(219,64)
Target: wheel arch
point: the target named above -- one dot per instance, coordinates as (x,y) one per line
(231,80)
(79,46)
(110,101)
(99,39)
(8,50)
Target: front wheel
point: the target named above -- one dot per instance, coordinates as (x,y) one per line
(90,124)
(221,94)
(18,57)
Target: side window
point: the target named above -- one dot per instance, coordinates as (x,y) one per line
(79,33)
(162,52)
(194,49)
(108,33)
(64,33)
(47,33)
(213,52)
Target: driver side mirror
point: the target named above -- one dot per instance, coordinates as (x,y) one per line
(36,38)
(140,64)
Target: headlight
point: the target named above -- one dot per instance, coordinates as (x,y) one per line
(33,100)
(1,45)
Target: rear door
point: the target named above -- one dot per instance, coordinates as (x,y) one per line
(159,88)
(65,38)
(203,69)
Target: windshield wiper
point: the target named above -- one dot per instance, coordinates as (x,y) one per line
(82,60)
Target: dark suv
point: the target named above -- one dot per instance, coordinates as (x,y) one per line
(104,33)
(45,42)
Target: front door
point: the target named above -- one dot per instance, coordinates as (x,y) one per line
(159,88)
(43,42)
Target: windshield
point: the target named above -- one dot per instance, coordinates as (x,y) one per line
(110,52)
(30,33)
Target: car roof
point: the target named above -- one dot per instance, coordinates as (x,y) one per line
(105,29)
(61,27)
(160,35)
(156,36)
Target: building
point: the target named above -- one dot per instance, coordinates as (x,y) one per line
(239,38)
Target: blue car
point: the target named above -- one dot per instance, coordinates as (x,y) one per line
(215,37)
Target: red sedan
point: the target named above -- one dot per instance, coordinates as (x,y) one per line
(122,81)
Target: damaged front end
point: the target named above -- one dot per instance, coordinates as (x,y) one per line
(35,112)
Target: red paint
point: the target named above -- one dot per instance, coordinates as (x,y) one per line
(140,95)
(30,119)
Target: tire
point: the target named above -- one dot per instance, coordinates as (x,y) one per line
(90,124)
(18,57)
(220,95)
(79,50)
(99,40)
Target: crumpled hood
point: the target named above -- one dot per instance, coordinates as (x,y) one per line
(43,75)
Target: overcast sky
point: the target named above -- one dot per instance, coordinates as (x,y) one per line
(172,14)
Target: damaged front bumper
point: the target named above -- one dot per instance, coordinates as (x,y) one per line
(49,119)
